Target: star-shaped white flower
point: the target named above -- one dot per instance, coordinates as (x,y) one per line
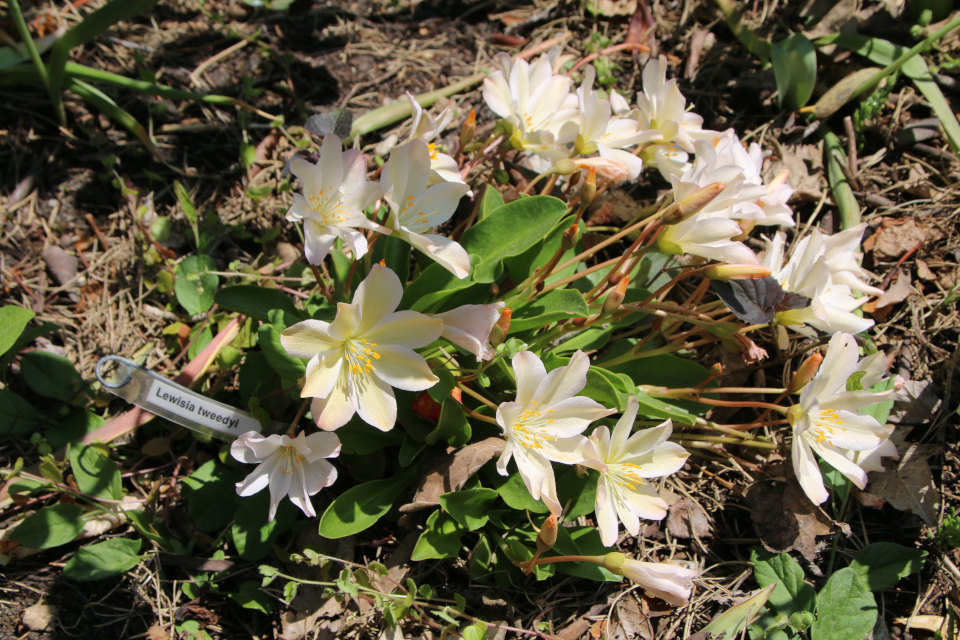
(669,582)
(623,491)
(545,422)
(443,168)
(469,327)
(663,108)
(415,208)
(356,360)
(292,467)
(335,193)
(827,420)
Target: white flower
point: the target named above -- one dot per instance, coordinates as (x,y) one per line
(667,581)
(469,327)
(335,193)
(415,208)
(841,251)
(545,422)
(368,349)
(827,419)
(808,273)
(623,491)
(663,108)
(726,161)
(443,168)
(289,466)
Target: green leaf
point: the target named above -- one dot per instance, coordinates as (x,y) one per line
(509,231)
(795,67)
(791,593)
(50,375)
(881,565)
(840,188)
(667,371)
(751,41)
(256,302)
(104,103)
(441,539)
(13,320)
(515,494)
(103,560)
(183,197)
(433,287)
(16,414)
(579,491)
(731,622)
(252,534)
(358,437)
(452,427)
(490,201)
(881,410)
(209,491)
(49,527)
(480,558)
(601,388)
(26,338)
(846,610)
(73,428)
(656,408)
(469,508)
(559,304)
(583,541)
(360,507)
(287,366)
(95,473)
(251,596)
(195,286)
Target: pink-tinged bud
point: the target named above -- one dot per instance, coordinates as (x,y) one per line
(589,189)
(692,204)
(736,272)
(548,534)
(570,237)
(716,370)
(615,298)
(564,167)
(468,129)
(500,330)
(805,372)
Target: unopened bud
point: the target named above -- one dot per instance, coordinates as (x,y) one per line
(736,272)
(589,189)
(548,534)
(570,237)
(500,330)
(615,298)
(692,204)
(564,167)
(801,620)
(716,370)
(382,263)
(805,372)
(468,129)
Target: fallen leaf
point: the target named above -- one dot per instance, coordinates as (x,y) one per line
(452,473)
(38,617)
(914,403)
(194,611)
(158,632)
(925,622)
(924,272)
(630,621)
(840,94)
(687,519)
(897,292)
(62,265)
(908,484)
(895,237)
(785,518)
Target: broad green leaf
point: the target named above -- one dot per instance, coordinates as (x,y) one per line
(846,610)
(881,410)
(251,596)
(256,302)
(791,593)
(666,371)
(288,367)
(521,266)
(103,560)
(556,305)
(509,231)
(359,438)
(95,473)
(50,375)
(72,428)
(469,508)
(441,539)
(13,320)
(881,565)
(580,491)
(656,408)
(583,541)
(731,622)
(195,286)
(842,92)
(515,494)
(360,507)
(26,338)
(795,67)
(452,427)
(480,558)
(49,527)
(433,287)
(16,414)
(252,534)
(490,201)
(753,43)
(209,491)
(840,188)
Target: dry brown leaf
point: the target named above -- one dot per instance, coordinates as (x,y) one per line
(924,272)
(805,165)
(62,265)
(452,473)
(925,622)
(630,621)
(908,484)
(687,519)
(840,94)
(38,617)
(785,518)
(897,292)
(158,632)
(895,237)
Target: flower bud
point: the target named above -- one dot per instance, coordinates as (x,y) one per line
(801,620)
(468,129)
(548,534)
(500,330)
(736,272)
(570,237)
(615,298)
(564,167)
(589,189)
(716,370)
(692,204)
(805,373)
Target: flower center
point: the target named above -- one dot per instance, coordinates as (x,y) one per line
(626,475)
(287,459)
(823,423)
(529,434)
(330,209)
(358,354)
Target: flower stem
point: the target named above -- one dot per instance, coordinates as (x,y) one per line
(732,403)
(291,432)
(480,416)
(475,395)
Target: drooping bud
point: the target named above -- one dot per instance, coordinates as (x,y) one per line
(548,534)
(564,167)
(468,129)
(692,204)
(805,372)
(501,328)
(589,189)
(570,237)
(614,299)
(736,272)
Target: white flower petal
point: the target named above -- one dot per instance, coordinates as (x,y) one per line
(404,369)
